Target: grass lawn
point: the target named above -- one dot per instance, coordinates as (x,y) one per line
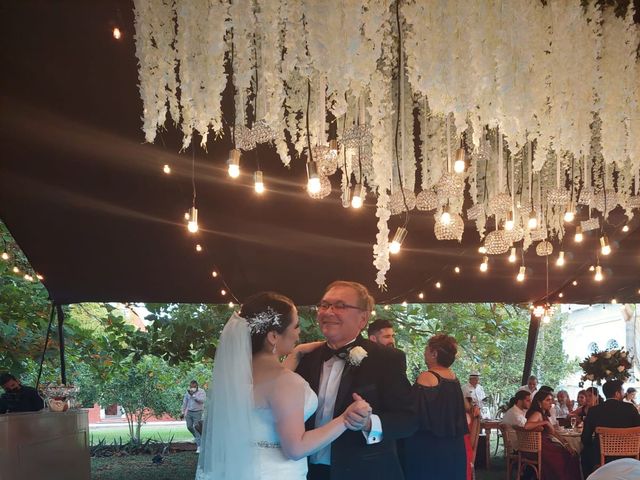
(178,466)
(163,433)
(182,466)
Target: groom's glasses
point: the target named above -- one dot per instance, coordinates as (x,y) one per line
(337,306)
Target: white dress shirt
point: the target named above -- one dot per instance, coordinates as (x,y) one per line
(329,384)
(514,417)
(476,393)
(525,388)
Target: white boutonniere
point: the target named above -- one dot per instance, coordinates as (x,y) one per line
(356,355)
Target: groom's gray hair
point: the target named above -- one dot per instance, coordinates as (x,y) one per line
(365,300)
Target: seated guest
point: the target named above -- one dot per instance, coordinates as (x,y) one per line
(17,397)
(381,331)
(559,460)
(552,412)
(591,399)
(516,415)
(612,413)
(622,469)
(630,397)
(474,390)
(563,404)
(531,386)
(581,399)
(437,449)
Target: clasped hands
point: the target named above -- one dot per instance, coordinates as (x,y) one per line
(357,416)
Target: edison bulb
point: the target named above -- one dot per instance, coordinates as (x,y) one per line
(579,236)
(532,223)
(508,225)
(258,184)
(598,276)
(394,247)
(520,276)
(234,170)
(445,218)
(192,226)
(313,185)
(458,166)
(484,266)
(569,216)
(560,260)
(512,255)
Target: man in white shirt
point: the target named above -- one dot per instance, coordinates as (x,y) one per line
(474,390)
(531,386)
(515,416)
(192,408)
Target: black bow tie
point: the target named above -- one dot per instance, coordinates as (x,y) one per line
(328,352)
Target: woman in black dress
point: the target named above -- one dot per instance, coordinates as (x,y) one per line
(437,449)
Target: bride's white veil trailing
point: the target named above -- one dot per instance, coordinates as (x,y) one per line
(227,437)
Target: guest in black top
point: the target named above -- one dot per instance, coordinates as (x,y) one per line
(17,397)
(437,449)
(612,413)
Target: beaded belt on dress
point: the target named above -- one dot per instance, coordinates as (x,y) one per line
(264,444)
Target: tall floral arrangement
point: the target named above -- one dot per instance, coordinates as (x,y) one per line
(607,365)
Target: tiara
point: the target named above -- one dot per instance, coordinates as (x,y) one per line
(264,321)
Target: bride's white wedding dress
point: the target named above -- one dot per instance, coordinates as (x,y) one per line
(270,461)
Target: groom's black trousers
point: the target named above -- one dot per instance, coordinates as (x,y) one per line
(319,472)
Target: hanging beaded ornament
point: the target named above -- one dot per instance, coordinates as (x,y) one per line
(475,212)
(244,139)
(497,242)
(591,224)
(396,201)
(451,231)
(499,204)
(427,200)
(558,196)
(544,249)
(325,188)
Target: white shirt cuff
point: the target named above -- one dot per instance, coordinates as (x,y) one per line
(375,435)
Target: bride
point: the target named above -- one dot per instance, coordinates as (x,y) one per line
(257,406)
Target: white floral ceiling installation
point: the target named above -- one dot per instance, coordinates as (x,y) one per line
(544,100)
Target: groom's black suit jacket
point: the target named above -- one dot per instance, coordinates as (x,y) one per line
(381,380)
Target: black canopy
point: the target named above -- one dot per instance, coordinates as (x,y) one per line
(89,204)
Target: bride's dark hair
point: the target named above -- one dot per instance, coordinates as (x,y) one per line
(265,303)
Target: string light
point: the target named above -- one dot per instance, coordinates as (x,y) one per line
(457,269)
(421,295)
(398,238)
(373,312)
(15,270)
(192,226)
(598,276)
(258,182)
(575,283)
(625,229)
(539,311)
(186,216)
(234,163)
(438,285)
(579,236)
(613,301)
(404,304)
(569,215)
(546,318)
(604,244)
(509,223)
(521,273)
(560,260)
(313,182)
(214,274)
(484,266)
(482,249)
(386,307)
(358,196)
(198,248)
(5,256)
(591,268)
(223,292)
(28,277)
(560,295)
(166,169)
(39,277)
(512,255)
(117,34)
(532,223)
(231,305)
(459,165)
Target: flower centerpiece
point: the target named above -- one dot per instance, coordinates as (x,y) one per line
(60,397)
(607,365)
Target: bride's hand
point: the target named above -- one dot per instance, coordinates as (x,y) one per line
(357,415)
(305,348)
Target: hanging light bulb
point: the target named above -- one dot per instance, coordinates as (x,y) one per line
(560,260)
(234,163)
(598,276)
(570,214)
(214,274)
(421,295)
(166,169)
(438,285)
(625,229)
(258,181)
(346,196)
(579,236)
(484,266)
(482,249)
(560,295)
(445,218)
(223,292)
(509,223)
(5,256)
(457,269)
(358,196)
(521,273)
(512,255)
(313,183)
(192,226)
(459,165)
(605,248)
(117,34)
(532,223)
(398,238)
(198,248)
(574,283)
(592,268)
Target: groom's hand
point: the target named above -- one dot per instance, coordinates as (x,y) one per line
(358,415)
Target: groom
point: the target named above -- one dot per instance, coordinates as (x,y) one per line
(339,369)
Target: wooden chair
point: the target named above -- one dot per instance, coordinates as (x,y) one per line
(619,442)
(510,448)
(530,443)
